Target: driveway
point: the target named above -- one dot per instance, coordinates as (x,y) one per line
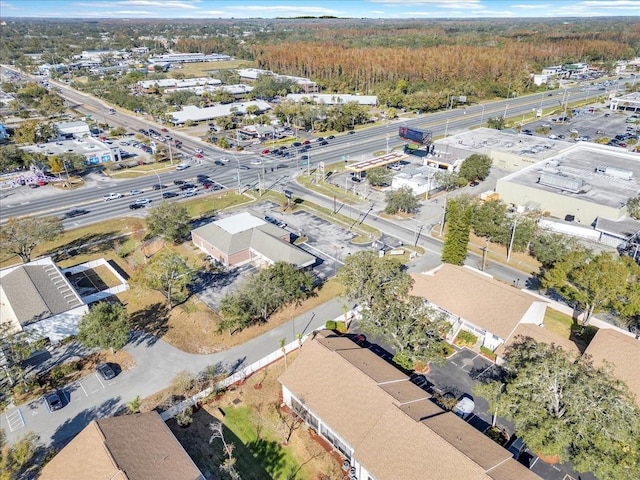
(157,363)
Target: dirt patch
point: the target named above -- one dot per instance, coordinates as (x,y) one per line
(260,394)
(192,327)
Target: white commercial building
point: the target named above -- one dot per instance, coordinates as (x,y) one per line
(188,58)
(93,150)
(333,98)
(197,114)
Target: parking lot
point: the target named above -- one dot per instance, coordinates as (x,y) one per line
(587,124)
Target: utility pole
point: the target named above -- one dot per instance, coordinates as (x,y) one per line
(444,211)
(513,235)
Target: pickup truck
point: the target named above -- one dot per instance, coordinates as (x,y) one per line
(112,196)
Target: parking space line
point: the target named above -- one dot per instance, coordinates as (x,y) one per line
(99,380)
(82,387)
(15,420)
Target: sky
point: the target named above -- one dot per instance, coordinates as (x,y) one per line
(405,9)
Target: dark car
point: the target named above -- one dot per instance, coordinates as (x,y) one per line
(105,370)
(169,195)
(324,142)
(187,186)
(474,183)
(219,163)
(157,186)
(135,206)
(331,137)
(178,182)
(76,213)
(53,401)
(243,167)
(351,132)
(281,165)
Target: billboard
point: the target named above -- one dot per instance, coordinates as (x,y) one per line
(422,137)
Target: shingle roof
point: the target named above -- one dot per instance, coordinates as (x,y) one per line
(130,447)
(36,292)
(541,335)
(395,430)
(622,352)
(489,304)
(231,237)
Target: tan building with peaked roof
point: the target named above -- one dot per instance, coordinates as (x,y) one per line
(476,302)
(246,238)
(130,447)
(622,352)
(387,427)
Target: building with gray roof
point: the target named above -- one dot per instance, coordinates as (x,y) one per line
(583,182)
(507,151)
(37,296)
(245,238)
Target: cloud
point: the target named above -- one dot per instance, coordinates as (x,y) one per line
(7,6)
(535,6)
(301,9)
(137,3)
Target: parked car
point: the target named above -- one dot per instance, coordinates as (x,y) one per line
(112,196)
(516,447)
(76,213)
(270,220)
(53,401)
(105,370)
(169,195)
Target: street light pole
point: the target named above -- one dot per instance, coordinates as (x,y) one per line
(482,116)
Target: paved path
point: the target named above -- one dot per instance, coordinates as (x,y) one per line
(157,363)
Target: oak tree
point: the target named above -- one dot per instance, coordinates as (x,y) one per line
(105,325)
(21,235)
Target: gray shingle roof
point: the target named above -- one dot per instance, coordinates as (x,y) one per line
(36,292)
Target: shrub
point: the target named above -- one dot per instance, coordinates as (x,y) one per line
(403,360)
(341,326)
(488,353)
(65,369)
(466,339)
(330,325)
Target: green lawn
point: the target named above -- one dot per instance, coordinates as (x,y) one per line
(259,454)
(565,326)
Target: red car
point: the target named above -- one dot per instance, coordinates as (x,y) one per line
(265,151)
(41,183)
(306,142)
(199,155)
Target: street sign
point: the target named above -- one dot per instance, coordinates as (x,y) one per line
(288,194)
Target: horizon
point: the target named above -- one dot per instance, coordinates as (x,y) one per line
(296,9)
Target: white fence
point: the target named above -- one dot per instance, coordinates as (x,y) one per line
(94,297)
(247,371)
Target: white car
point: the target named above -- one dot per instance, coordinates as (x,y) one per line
(143,201)
(112,196)
(190,193)
(182,166)
(224,159)
(135,192)
(573,130)
(198,150)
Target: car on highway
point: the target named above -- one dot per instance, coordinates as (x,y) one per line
(167,195)
(224,159)
(187,186)
(323,142)
(105,371)
(190,193)
(199,155)
(266,151)
(135,206)
(53,401)
(281,165)
(179,182)
(182,166)
(219,163)
(257,161)
(143,201)
(198,150)
(331,137)
(135,192)
(351,132)
(76,213)
(112,196)
(158,186)
(243,167)
(296,144)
